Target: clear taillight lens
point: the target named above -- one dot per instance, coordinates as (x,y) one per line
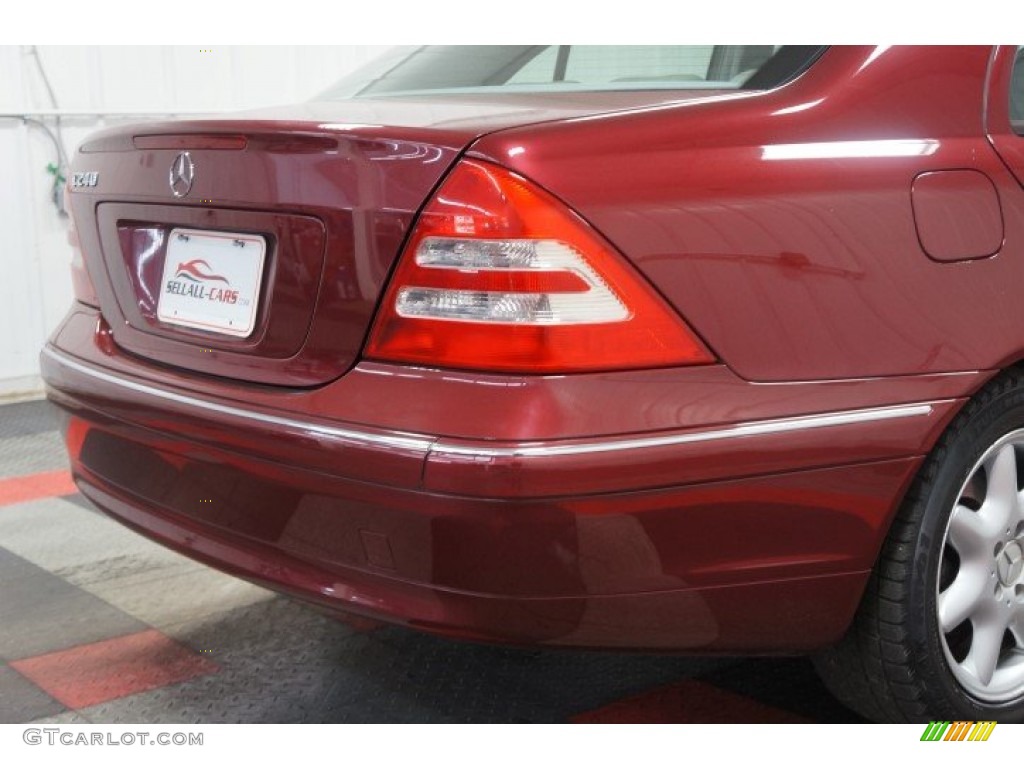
(500,275)
(525,282)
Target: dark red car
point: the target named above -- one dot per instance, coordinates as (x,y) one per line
(704,348)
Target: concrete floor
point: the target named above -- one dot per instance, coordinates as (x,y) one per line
(99,625)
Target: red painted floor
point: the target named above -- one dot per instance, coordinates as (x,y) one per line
(91,674)
(15,490)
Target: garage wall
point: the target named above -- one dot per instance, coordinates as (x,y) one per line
(35,288)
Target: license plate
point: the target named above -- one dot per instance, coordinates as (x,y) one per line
(211,281)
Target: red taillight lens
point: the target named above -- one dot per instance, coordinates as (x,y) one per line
(81,283)
(499,275)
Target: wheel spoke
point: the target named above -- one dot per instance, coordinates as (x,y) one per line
(963,597)
(985,647)
(1016,625)
(967,533)
(1002,499)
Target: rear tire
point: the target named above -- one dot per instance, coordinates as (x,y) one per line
(939,634)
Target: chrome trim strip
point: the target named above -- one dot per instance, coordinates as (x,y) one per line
(452,447)
(404,442)
(747,429)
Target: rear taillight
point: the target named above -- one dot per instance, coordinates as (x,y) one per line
(499,275)
(81,283)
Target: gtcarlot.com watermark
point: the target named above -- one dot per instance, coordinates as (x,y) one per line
(79,738)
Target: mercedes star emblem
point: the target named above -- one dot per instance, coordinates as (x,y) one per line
(182,173)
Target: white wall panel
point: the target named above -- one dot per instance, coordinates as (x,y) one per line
(35,288)
(21,322)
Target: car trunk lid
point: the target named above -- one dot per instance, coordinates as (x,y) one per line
(327,191)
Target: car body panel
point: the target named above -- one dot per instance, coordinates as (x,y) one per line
(781,226)
(735,506)
(319,307)
(529,409)
(957,215)
(360,171)
(792,615)
(419,516)
(372,535)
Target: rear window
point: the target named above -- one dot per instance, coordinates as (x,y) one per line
(538,68)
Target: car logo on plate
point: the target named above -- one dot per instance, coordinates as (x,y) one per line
(198,270)
(183,172)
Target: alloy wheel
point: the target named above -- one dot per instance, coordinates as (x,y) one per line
(980,586)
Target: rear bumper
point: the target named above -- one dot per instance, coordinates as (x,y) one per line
(733,537)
